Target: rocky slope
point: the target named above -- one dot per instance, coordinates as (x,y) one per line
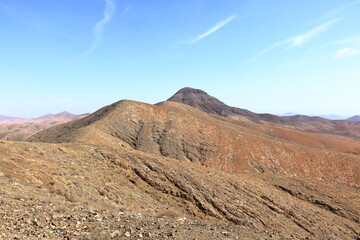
(86,191)
(181,132)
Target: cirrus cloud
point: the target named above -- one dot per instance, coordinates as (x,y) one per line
(347,52)
(216,27)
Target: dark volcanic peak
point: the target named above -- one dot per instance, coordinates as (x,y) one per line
(188,90)
(194,97)
(201,100)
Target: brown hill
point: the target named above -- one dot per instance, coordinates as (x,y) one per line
(178,131)
(204,102)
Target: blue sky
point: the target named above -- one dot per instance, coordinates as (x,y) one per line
(262,55)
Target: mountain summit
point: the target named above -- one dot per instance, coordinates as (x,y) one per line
(201,100)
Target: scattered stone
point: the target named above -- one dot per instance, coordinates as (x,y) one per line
(115,234)
(225,233)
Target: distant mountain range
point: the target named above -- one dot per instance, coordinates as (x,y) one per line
(14,128)
(288,114)
(8,118)
(64,115)
(354,118)
(58,115)
(328,116)
(333,117)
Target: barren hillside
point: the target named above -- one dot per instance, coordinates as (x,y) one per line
(94,192)
(181,132)
(169,171)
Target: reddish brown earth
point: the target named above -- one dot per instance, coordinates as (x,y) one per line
(181,132)
(169,171)
(71,189)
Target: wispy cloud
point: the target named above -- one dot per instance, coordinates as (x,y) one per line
(338,10)
(109,12)
(98,30)
(302,38)
(353,40)
(347,52)
(351,47)
(216,27)
(310,34)
(128,8)
(298,40)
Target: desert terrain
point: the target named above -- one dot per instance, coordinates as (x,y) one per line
(188,168)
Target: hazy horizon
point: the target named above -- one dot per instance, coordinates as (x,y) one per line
(288,113)
(292,56)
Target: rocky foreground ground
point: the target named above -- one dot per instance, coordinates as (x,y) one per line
(77,191)
(47,221)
